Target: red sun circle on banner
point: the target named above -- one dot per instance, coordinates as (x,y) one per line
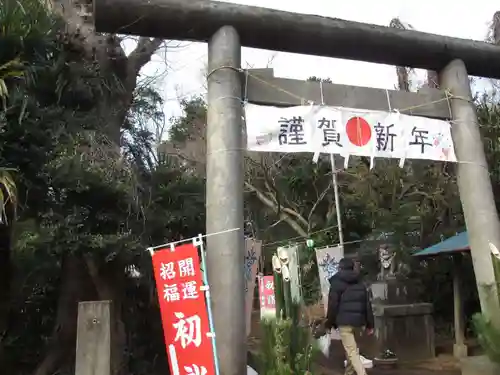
(358,131)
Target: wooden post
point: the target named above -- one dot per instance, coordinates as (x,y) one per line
(474,185)
(93,341)
(287,298)
(278,294)
(459,347)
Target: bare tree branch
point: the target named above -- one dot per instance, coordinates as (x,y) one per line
(432,79)
(282,214)
(274,195)
(315,205)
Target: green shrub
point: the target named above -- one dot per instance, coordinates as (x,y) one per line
(488,337)
(286,347)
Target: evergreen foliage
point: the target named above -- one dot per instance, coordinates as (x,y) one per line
(286,346)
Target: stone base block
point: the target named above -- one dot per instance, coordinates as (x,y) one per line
(407,330)
(460,351)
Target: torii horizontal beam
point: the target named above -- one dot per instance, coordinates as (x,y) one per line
(198,20)
(265,89)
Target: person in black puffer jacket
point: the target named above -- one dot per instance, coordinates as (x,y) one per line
(349,310)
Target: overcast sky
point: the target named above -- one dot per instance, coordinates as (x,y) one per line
(186,64)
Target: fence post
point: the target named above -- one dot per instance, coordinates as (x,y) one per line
(93,340)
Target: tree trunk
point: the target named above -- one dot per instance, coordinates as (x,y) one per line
(495,28)
(402,72)
(74,288)
(432,79)
(403,78)
(118,100)
(112,61)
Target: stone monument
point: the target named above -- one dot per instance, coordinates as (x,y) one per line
(401,325)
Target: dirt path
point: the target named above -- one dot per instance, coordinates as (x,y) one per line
(401,370)
(443,365)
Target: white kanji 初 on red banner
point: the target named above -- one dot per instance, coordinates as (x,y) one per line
(183,311)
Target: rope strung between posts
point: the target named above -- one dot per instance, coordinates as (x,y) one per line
(300,240)
(298,237)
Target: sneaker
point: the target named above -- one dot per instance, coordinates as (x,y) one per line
(367,363)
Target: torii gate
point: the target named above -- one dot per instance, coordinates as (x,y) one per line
(226,27)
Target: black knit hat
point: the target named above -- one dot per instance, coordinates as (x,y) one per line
(346,264)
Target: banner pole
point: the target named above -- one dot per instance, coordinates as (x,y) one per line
(198,241)
(337,200)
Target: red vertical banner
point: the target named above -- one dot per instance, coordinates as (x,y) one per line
(266,297)
(183,311)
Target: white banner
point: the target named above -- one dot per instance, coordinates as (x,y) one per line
(328,261)
(328,264)
(345,131)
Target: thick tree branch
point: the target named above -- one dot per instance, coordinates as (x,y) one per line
(141,55)
(116,108)
(282,214)
(273,194)
(295,214)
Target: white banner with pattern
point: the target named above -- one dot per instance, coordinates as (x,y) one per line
(328,264)
(328,261)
